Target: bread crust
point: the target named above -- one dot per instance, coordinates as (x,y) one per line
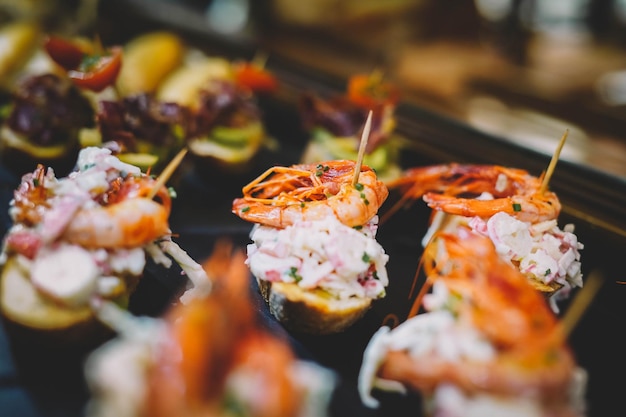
(31,318)
(311,311)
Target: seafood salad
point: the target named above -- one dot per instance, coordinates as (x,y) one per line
(208,357)
(324,254)
(487,343)
(86,236)
(316,229)
(509,206)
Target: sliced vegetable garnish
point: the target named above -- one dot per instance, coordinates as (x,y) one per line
(254,77)
(88,70)
(98,72)
(64,52)
(370,91)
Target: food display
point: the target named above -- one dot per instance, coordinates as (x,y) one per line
(320,296)
(81,239)
(487,343)
(87,94)
(510,207)
(314,254)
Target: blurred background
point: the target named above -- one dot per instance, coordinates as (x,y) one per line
(522,70)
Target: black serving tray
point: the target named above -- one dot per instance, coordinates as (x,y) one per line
(51,383)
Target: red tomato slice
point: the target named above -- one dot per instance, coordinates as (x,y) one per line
(65,53)
(101,73)
(255,78)
(371,91)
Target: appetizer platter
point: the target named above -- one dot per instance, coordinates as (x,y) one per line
(213,203)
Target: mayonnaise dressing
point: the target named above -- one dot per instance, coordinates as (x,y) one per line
(324,254)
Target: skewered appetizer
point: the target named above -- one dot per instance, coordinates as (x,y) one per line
(335,124)
(209,357)
(487,343)
(179,97)
(52,101)
(148,132)
(226,128)
(314,252)
(79,239)
(44,116)
(509,206)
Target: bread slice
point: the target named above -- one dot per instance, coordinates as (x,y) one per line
(311,311)
(547,290)
(31,317)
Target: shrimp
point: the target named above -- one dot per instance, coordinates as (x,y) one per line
(214,344)
(30,198)
(500,300)
(497,300)
(529,358)
(130,223)
(126,217)
(453,188)
(120,217)
(282,196)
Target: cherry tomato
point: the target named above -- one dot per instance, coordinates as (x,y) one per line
(88,70)
(98,72)
(370,91)
(254,77)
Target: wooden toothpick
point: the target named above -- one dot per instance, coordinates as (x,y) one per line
(364,138)
(553,161)
(260,59)
(580,303)
(167,172)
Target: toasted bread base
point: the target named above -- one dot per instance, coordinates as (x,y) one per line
(547,290)
(312,312)
(21,156)
(31,317)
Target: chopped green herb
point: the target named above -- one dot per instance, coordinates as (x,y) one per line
(293,273)
(366,258)
(89,62)
(359,187)
(320,169)
(35,182)
(245,209)
(359,227)
(548,272)
(5,111)
(302,204)
(517,207)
